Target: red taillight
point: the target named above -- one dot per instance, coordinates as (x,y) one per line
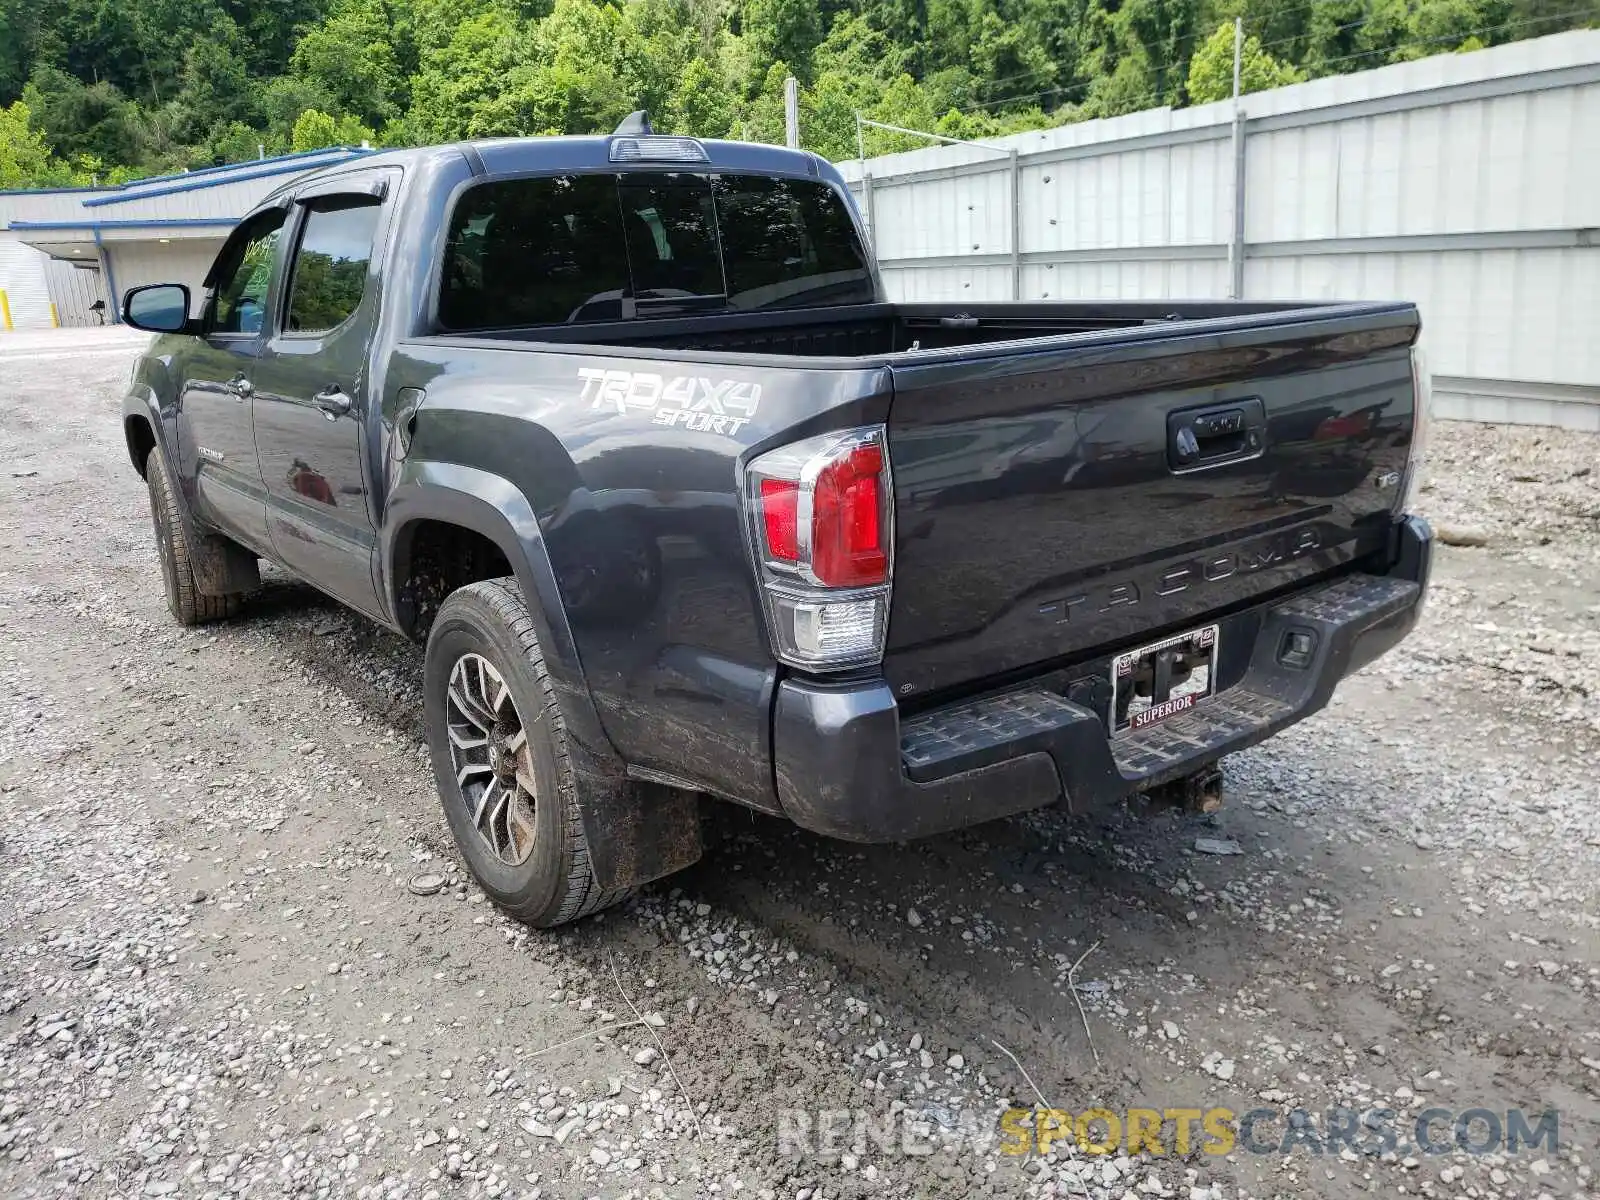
(821,518)
(847,543)
(779,508)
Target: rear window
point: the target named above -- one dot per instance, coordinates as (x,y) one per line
(559,250)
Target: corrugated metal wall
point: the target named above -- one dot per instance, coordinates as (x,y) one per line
(73,289)
(22,279)
(1469,183)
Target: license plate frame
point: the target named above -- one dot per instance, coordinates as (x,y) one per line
(1195,649)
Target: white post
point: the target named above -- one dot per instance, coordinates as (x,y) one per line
(1016,225)
(866,181)
(1238,53)
(1236,239)
(791,113)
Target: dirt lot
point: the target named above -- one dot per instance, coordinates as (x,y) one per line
(216,981)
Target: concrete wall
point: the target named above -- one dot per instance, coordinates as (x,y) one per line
(1469,183)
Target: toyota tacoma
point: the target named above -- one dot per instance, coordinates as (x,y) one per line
(627,433)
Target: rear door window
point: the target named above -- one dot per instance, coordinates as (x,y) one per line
(568,249)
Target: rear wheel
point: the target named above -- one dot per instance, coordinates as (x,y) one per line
(188,603)
(499,751)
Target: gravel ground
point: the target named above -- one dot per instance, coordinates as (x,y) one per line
(216,979)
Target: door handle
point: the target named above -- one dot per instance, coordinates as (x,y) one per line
(333,402)
(240,386)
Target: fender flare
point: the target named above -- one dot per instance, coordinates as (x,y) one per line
(494,507)
(636,832)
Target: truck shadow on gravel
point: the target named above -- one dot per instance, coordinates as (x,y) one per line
(968,937)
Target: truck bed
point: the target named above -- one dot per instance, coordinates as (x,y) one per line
(873,331)
(1041,511)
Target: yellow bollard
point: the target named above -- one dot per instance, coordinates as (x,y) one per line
(55,317)
(5,311)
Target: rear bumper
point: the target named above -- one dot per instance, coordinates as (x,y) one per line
(849,767)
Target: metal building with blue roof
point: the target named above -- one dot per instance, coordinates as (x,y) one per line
(65,250)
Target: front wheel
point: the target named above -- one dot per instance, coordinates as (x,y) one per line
(499,751)
(188,603)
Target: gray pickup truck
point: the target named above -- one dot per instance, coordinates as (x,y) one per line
(626,432)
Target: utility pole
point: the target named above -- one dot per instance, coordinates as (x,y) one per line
(1238,53)
(791,111)
(1236,241)
(866,179)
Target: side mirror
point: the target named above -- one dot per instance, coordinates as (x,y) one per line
(157,307)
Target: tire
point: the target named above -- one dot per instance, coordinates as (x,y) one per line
(488,623)
(188,603)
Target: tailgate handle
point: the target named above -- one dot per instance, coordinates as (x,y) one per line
(1210,437)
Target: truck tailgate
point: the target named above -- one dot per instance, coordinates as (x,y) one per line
(1088,492)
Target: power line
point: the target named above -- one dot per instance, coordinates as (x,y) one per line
(1179,62)
(1419,43)
(1198,35)
(1454,37)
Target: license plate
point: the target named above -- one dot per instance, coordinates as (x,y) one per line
(1163,679)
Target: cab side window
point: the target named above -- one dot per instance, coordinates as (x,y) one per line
(242,276)
(330,267)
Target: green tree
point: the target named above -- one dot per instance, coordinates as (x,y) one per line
(234,143)
(1161,29)
(1211,68)
(463,78)
(702,105)
(124,88)
(268,29)
(1007,62)
(785,31)
(216,89)
(315,130)
(763,119)
(1130,87)
(1435,25)
(1283,26)
(13,53)
(350,57)
(84,120)
(25,159)
(282,102)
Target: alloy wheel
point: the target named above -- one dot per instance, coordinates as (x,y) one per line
(491,757)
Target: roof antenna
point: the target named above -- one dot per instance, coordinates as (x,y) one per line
(635,124)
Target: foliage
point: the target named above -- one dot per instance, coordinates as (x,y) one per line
(99,89)
(326,290)
(1211,68)
(315,130)
(24,158)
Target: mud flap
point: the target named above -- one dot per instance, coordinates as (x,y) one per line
(637,831)
(221,567)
